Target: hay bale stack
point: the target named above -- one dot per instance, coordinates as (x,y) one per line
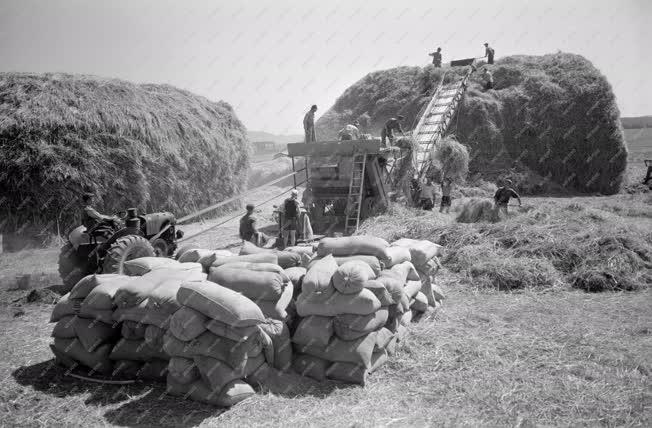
(547,115)
(154,147)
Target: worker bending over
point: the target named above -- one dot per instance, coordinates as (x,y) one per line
(350,132)
(387,133)
(503,195)
(309,125)
(291,211)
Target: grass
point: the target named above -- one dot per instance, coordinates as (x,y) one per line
(485,358)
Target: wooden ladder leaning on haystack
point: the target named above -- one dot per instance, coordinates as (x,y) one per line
(356,190)
(436,118)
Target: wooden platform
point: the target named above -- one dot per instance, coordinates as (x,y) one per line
(328,148)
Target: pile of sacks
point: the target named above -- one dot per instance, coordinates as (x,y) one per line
(356,299)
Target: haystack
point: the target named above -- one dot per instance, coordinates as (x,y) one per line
(551,122)
(154,147)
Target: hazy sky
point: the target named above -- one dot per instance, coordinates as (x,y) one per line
(272,59)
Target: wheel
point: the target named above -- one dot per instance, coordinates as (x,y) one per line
(161,247)
(72,268)
(124,249)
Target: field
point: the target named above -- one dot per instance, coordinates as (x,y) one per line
(542,354)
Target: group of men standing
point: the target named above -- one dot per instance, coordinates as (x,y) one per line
(487,77)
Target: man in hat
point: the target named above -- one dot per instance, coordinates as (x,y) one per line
(350,132)
(291,212)
(248,229)
(503,195)
(436,58)
(90,216)
(309,125)
(489,53)
(387,133)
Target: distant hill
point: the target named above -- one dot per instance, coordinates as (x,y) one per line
(279,139)
(636,122)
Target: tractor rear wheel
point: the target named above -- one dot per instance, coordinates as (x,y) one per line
(124,249)
(72,268)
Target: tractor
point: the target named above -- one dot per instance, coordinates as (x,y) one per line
(106,246)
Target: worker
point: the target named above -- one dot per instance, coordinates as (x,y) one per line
(387,133)
(291,211)
(503,195)
(248,230)
(446,189)
(350,132)
(648,175)
(436,58)
(489,53)
(427,195)
(488,79)
(309,125)
(90,216)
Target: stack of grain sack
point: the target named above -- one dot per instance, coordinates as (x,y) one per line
(356,298)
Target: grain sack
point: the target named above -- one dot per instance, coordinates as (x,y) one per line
(277,310)
(155,369)
(300,249)
(154,336)
(286,259)
(420,303)
(350,277)
(220,303)
(310,366)
(372,261)
(406,318)
(92,333)
(352,245)
(353,373)
(136,350)
(334,303)
(231,394)
(163,298)
(357,351)
(407,270)
(142,314)
(392,345)
(98,360)
(251,258)
(194,255)
(234,354)
(187,323)
(421,250)
(101,297)
(352,327)
(65,328)
(401,333)
(89,282)
(426,287)
(137,290)
(412,288)
(142,265)
(397,255)
(379,290)
(103,315)
(133,330)
(237,334)
(314,330)
(394,282)
(217,373)
(252,284)
(282,347)
(260,267)
(318,277)
(65,307)
(183,370)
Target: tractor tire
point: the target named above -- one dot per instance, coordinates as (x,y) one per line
(124,249)
(71,267)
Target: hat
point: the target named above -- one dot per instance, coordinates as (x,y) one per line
(250,207)
(400,117)
(314,107)
(294,192)
(356,122)
(486,44)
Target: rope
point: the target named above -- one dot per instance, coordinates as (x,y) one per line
(185,238)
(235,198)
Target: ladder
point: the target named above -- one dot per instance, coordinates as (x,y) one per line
(356,187)
(435,120)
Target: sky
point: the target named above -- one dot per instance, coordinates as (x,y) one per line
(271,60)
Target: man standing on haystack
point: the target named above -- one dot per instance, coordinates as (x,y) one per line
(489,53)
(387,133)
(503,195)
(436,58)
(488,79)
(309,125)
